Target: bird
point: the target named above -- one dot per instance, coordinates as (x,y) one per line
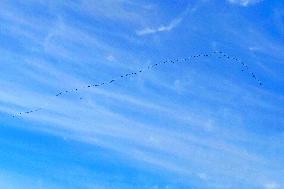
(158,64)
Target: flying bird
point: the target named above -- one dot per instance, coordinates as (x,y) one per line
(154,65)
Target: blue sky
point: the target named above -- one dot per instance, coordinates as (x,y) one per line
(204,124)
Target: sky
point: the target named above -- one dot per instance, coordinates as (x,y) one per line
(200,124)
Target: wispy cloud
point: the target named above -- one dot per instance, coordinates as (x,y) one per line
(164,28)
(245,2)
(174,23)
(271,185)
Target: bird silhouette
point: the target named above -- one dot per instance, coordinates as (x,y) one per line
(173,61)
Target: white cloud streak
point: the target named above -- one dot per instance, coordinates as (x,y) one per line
(245,3)
(164,28)
(174,23)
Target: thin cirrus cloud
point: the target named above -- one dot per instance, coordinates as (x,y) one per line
(245,2)
(146,31)
(164,28)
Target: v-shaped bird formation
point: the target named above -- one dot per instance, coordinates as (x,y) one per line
(217,54)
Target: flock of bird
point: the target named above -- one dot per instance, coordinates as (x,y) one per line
(217,54)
